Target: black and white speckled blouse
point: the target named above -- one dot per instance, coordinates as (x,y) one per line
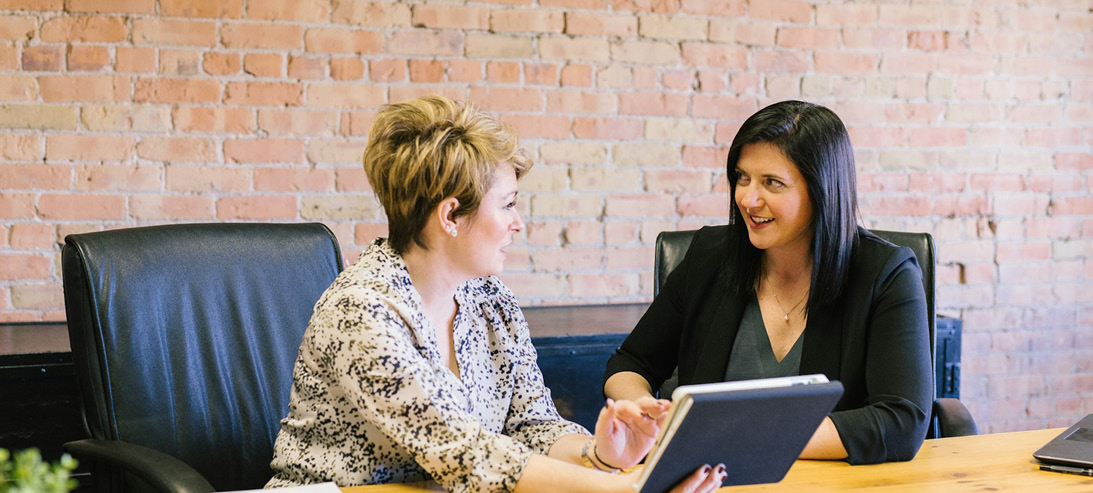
(373,401)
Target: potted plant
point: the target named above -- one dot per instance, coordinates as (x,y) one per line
(25,472)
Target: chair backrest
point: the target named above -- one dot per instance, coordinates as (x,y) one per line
(671,246)
(184,336)
(670,249)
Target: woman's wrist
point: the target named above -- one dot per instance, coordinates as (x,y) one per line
(589,456)
(596,455)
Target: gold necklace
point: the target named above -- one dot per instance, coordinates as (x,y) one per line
(785,313)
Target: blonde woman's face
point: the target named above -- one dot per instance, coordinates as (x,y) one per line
(491,228)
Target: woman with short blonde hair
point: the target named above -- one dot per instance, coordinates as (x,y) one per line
(425,150)
(417,362)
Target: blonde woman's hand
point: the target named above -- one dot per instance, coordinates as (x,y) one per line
(627,430)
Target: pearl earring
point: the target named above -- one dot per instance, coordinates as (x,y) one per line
(453,232)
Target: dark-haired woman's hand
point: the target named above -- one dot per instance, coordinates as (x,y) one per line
(705,479)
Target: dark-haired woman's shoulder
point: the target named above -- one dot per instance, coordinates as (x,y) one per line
(711,239)
(705,255)
(876,254)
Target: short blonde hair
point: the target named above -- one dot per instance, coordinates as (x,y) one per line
(425,150)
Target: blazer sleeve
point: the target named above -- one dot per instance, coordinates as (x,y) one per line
(652,349)
(891,425)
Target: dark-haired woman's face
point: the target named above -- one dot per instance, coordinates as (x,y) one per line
(773,198)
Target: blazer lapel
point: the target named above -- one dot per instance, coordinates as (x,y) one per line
(822,351)
(713,356)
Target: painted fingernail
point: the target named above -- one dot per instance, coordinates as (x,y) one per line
(720,468)
(705,469)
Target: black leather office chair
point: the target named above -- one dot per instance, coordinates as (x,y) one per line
(183,340)
(949,417)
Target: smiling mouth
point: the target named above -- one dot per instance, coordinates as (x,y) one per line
(761,220)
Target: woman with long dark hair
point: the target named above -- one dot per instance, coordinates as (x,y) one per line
(792,286)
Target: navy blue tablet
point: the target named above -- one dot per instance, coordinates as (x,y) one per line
(757,428)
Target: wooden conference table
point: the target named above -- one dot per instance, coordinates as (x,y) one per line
(995,462)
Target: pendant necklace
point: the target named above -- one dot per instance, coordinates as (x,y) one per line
(785,313)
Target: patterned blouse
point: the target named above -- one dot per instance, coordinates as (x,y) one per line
(373,400)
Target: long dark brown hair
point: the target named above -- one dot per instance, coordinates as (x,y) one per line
(816,141)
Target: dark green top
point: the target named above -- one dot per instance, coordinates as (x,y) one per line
(752,355)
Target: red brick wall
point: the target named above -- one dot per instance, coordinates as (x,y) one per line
(972,120)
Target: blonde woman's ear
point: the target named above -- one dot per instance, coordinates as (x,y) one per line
(445,211)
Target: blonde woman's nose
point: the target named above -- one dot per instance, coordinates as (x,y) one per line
(518,224)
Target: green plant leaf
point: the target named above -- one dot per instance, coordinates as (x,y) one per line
(25,472)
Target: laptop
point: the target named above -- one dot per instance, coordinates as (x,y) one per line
(757,428)
(1071,451)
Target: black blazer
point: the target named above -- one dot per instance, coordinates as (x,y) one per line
(875,340)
